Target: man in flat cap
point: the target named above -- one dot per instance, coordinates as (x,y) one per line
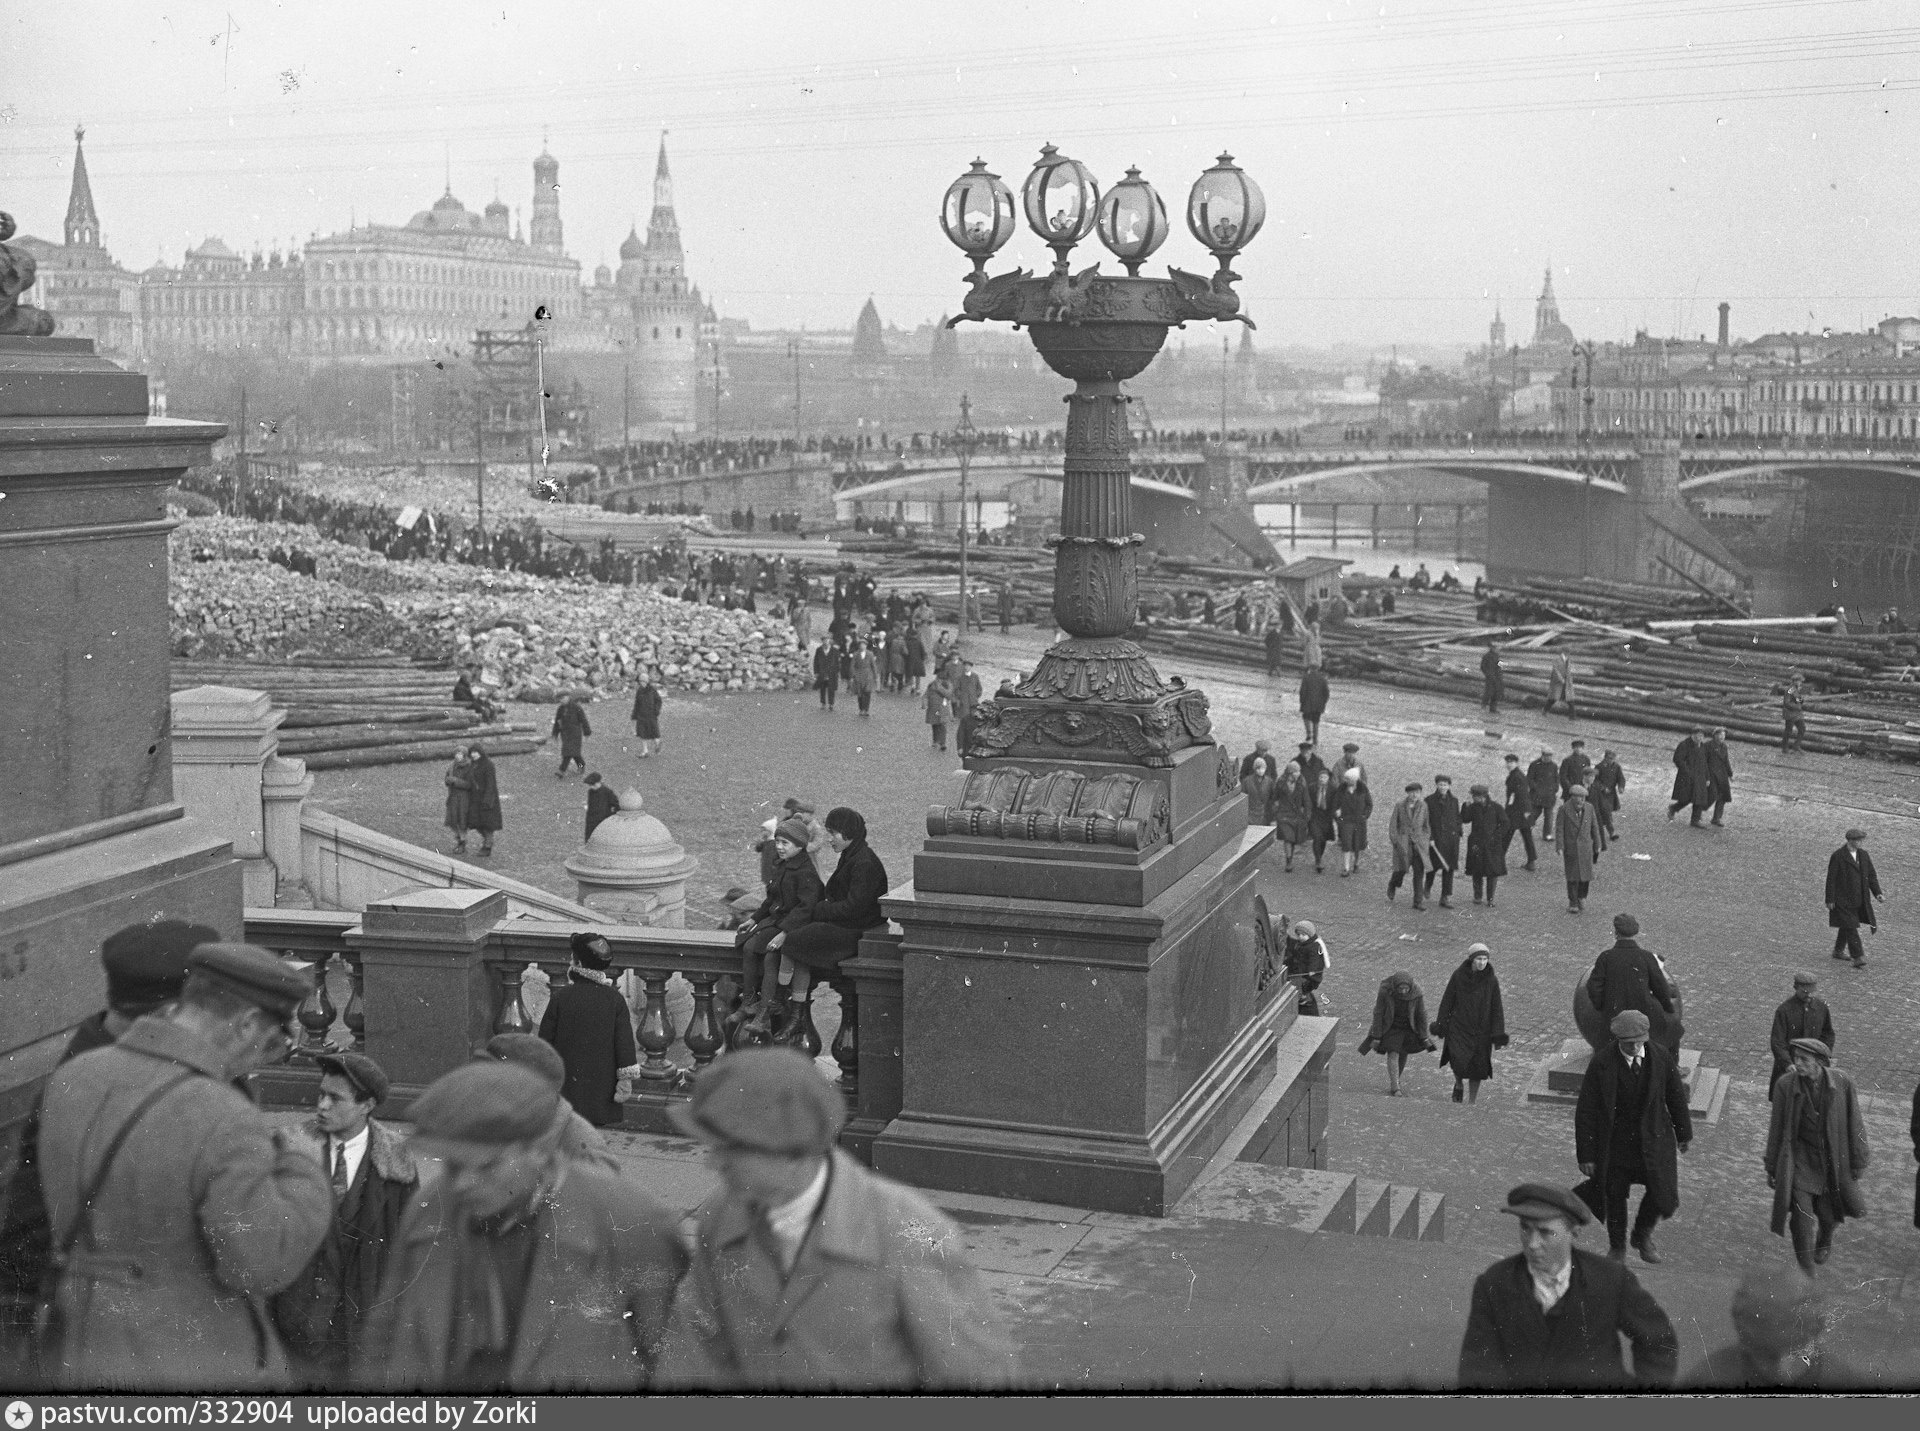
(1631,1120)
(1852,887)
(1816,1152)
(1576,769)
(1409,833)
(1520,808)
(180,1207)
(1489,832)
(1692,781)
(1805,1015)
(809,1272)
(1719,772)
(581,1141)
(1543,786)
(1551,1317)
(1577,831)
(145,966)
(589,1024)
(374,1179)
(1443,844)
(1605,790)
(517,1270)
(1629,976)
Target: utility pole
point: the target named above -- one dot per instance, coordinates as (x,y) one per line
(716,389)
(480,458)
(966,436)
(793,351)
(240,454)
(1223,389)
(626,420)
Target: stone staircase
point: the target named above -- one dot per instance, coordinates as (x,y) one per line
(1317,1200)
(1558,1080)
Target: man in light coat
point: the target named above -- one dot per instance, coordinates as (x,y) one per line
(1816,1152)
(205,1210)
(1409,832)
(1577,832)
(809,1272)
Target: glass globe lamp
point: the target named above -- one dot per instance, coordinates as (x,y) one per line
(1061,200)
(977,213)
(1132,221)
(1225,209)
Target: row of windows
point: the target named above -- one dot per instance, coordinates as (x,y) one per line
(417,272)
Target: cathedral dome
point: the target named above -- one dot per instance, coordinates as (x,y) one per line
(602,277)
(446,203)
(495,210)
(631,247)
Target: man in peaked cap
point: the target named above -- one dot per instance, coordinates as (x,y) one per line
(1627,975)
(1852,887)
(517,1270)
(1805,1015)
(809,1272)
(197,1208)
(145,964)
(1551,1317)
(374,1179)
(1816,1152)
(1631,1121)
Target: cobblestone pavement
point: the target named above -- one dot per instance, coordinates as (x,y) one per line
(1733,911)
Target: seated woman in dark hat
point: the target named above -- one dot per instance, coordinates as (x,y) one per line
(849,908)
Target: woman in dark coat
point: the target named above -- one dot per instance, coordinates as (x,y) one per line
(1472,1022)
(590,1026)
(459,818)
(1290,810)
(1399,1026)
(826,674)
(1258,784)
(646,716)
(849,907)
(1320,816)
(1488,831)
(916,656)
(1352,806)
(483,811)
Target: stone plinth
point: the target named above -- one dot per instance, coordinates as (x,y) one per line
(91,837)
(222,738)
(632,871)
(284,787)
(429,995)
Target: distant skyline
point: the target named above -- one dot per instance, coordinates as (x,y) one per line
(1421,161)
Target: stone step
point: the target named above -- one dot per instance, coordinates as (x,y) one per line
(1403,1209)
(1432,1216)
(1371,1207)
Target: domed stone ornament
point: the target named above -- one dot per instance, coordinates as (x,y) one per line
(632,869)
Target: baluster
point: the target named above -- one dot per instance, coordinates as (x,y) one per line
(655,1033)
(803,1035)
(355,1018)
(846,1043)
(703,1029)
(315,1014)
(512,1018)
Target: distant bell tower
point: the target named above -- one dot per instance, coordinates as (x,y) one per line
(663,229)
(1546,313)
(1497,332)
(544,231)
(83,223)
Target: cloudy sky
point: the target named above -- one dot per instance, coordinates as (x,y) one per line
(1421,158)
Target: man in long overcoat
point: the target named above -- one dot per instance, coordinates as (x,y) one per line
(1692,781)
(1627,976)
(1816,1152)
(1852,887)
(1408,833)
(646,715)
(1805,1015)
(1631,1120)
(1492,684)
(1605,790)
(374,1178)
(1314,695)
(1543,784)
(1520,811)
(602,803)
(590,1026)
(809,1272)
(571,725)
(518,1270)
(1551,1317)
(1719,772)
(484,807)
(1578,833)
(1443,837)
(204,1210)
(1487,835)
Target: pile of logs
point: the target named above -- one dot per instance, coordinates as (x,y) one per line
(367,711)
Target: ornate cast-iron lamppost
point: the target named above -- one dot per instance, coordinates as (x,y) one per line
(1095,695)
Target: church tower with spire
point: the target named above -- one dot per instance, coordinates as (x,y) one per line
(83,223)
(544,232)
(88,293)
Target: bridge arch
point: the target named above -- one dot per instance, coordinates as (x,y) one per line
(1801,468)
(1477,471)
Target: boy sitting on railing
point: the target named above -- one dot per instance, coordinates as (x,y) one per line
(791,896)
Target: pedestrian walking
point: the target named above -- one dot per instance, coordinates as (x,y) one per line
(1543,782)
(1275,647)
(177,1208)
(1310,655)
(1005,604)
(1322,827)
(1719,772)
(1804,1015)
(826,674)
(865,675)
(571,725)
(939,704)
(1443,846)
(1409,834)
(483,813)
(967,693)
(1472,1022)
(1816,1152)
(601,802)
(1399,1026)
(1577,833)
(1304,960)
(518,1271)
(1692,780)
(896,660)
(374,1178)
(1629,976)
(459,783)
(1314,695)
(1290,811)
(1257,783)
(1520,810)
(1351,806)
(646,715)
(1487,835)
(590,1026)
(1629,1125)
(810,1273)
(1793,714)
(1310,763)
(1349,760)
(1852,887)
(791,896)
(1560,684)
(1493,683)
(916,655)
(1575,769)
(1780,1330)
(1552,1317)
(1605,790)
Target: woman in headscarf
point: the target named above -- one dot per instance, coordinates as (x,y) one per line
(1399,1026)
(1290,810)
(1472,1022)
(1352,806)
(459,800)
(1258,785)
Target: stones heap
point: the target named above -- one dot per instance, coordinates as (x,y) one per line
(527,637)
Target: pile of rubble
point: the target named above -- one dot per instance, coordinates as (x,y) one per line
(258,610)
